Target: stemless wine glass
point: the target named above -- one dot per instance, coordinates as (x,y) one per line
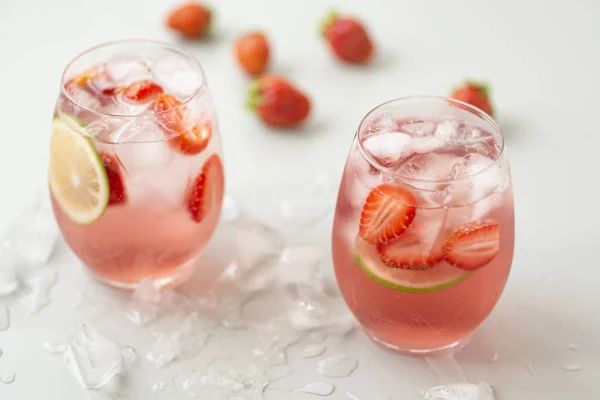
(136,177)
(423,235)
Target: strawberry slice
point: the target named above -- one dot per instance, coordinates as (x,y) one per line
(206,192)
(386,214)
(112,166)
(142,91)
(171,116)
(474,244)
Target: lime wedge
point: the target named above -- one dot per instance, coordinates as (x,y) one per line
(439,277)
(77,177)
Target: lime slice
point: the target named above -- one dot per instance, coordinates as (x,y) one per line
(77,177)
(438,277)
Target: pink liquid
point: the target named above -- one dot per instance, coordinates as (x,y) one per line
(421,322)
(153,233)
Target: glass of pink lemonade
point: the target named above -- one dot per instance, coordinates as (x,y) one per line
(136,174)
(423,234)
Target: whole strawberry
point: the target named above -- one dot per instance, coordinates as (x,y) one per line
(277,102)
(252,53)
(347,37)
(191,20)
(474,93)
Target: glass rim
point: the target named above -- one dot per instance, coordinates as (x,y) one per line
(468,107)
(156,43)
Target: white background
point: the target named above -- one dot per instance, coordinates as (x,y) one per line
(542,61)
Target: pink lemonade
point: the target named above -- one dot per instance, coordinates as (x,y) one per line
(136,175)
(423,234)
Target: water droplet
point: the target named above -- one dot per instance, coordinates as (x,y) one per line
(54,348)
(1,352)
(573,347)
(495,357)
(7,377)
(572,367)
(4,318)
(39,284)
(314,350)
(319,388)
(530,368)
(460,391)
(277,372)
(337,366)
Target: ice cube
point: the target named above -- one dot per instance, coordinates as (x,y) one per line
(177,76)
(38,285)
(145,302)
(93,359)
(418,128)
(9,262)
(124,70)
(426,171)
(255,242)
(310,205)
(460,391)
(388,147)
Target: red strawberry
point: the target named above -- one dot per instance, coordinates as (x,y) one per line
(112,166)
(206,192)
(410,251)
(191,20)
(252,53)
(387,212)
(277,102)
(170,114)
(475,94)
(141,91)
(474,244)
(347,38)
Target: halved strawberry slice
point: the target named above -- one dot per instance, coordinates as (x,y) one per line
(112,167)
(387,212)
(142,91)
(206,191)
(188,141)
(474,244)
(410,251)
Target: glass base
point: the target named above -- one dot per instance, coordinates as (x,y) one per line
(451,347)
(180,275)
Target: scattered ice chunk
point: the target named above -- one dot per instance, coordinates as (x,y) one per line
(384,122)
(38,285)
(33,234)
(446,369)
(530,368)
(310,205)
(495,357)
(145,302)
(300,264)
(387,148)
(7,377)
(573,347)
(255,242)
(273,341)
(180,339)
(231,210)
(4,317)
(460,391)
(93,359)
(337,366)
(9,264)
(158,386)
(54,348)
(314,350)
(319,388)
(572,367)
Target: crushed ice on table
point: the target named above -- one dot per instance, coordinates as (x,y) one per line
(530,368)
(255,242)
(145,302)
(460,391)
(9,263)
(314,350)
(446,369)
(573,347)
(337,366)
(188,339)
(319,388)
(231,210)
(37,289)
(7,377)
(95,360)
(4,318)
(572,367)
(158,385)
(274,339)
(310,205)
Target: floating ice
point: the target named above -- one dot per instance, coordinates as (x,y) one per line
(310,205)
(460,391)
(572,367)
(38,285)
(418,128)
(176,76)
(387,148)
(384,122)
(125,70)
(93,359)
(7,377)
(337,366)
(314,350)
(182,338)
(4,318)
(319,388)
